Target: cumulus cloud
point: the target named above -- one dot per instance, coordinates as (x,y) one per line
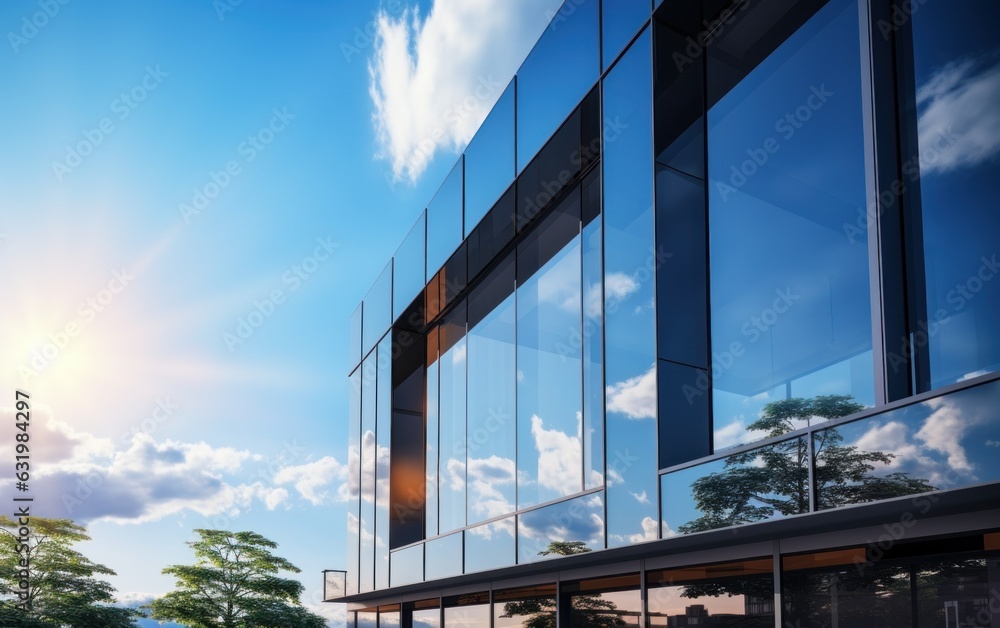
(433,78)
(84,477)
(642,498)
(559,458)
(959,122)
(313,479)
(489,479)
(943,431)
(635,397)
(650,531)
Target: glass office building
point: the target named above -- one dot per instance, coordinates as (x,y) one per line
(702,329)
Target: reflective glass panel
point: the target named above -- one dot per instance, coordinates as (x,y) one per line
(951,119)
(383,438)
(443,557)
(408,268)
(427,618)
(353,482)
(757,485)
(620,21)
(369,379)
(452,421)
(569,527)
(356,341)
(943,443)
(549,391)
(408,565)
(367,619)
(614,601)
(791,313)
(492,427)
(557,74)
(489,160)
(629,298)
(377,310)
(472,616)
(529,606)
(490,546)
(590,339)
(444,221)
(433,377)
(729,594)
(388,619)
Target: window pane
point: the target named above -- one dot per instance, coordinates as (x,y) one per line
(791,312)
(408,565)
(944,443)
(492,428)
(433,377)
(443,557)
(490,546)
(444,221)
(876,596)
(368,619)
(530,606)
(356,341)
(558,72)
(549,374)
(489,160)
(952,113)
(369,379)
(427,618)
(730,594)
(475,616)
(383,439)
(757,485)
(494,232)
(629,298)
(591,336)
(614,601)
(408,268)
(620,21)
(377,310)
(452,413)
(353,482)
(570,527)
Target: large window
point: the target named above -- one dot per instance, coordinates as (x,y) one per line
(791,312)
(728,594)
(950,86)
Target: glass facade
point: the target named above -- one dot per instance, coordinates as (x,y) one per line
(655,299)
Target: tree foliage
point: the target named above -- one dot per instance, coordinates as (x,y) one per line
(64,587)
(234,583)
(758,484)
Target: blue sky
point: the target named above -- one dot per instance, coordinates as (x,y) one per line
(195,196)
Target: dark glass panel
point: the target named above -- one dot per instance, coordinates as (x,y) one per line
(409,275)
(444,220)
(407,471)
(727,594)
(452,421)
(383,443)
(443,557)
(528,606)
(950,93)
(685,424)
(629,298)
(549,173)
(433,444)
(354,482)
(489,159)
(682,264)
(614,601)
(494,232)
(377,311)
(591,335)
(490,546)
(679,86)
(590,129)
(492,434)
(454,276)
(756,485)
(407,565)
(549,371)
(943,443)
(568,527)
(620,21)
(556,75)
(790,293)
(369,380)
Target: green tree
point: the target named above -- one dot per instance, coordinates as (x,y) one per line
(590,611)
(757,484)
(63,587)
(234,583)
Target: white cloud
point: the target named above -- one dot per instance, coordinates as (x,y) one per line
(959,125)
(642,498)
(635,397)
(559,458)
(434,78)
(312,478)
(486,476)
(650,530)
(942,432)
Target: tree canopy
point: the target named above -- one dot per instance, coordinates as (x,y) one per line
(234,583)
(63,585)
